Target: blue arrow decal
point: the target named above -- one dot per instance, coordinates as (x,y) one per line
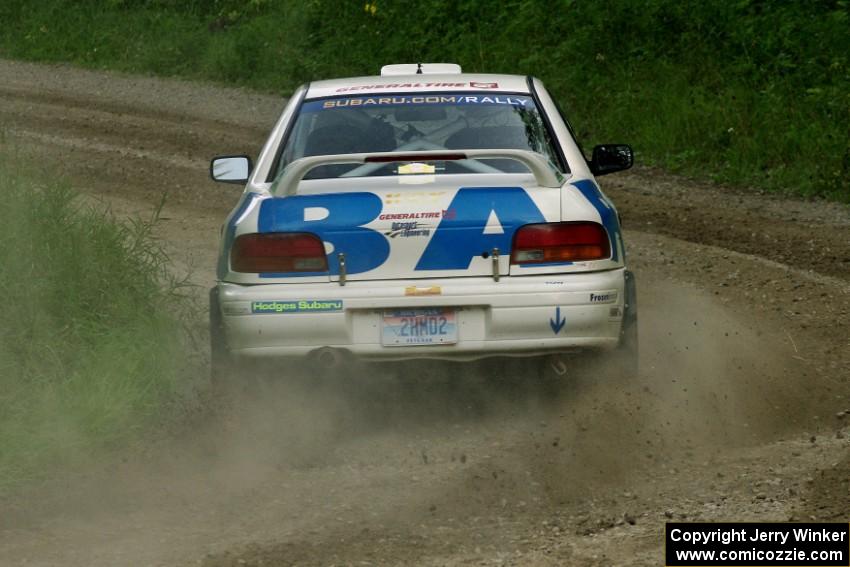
(557,323)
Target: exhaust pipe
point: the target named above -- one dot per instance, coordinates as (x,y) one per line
(557,364)
(328,358)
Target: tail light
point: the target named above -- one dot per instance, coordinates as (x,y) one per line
(560,242)
(278,252)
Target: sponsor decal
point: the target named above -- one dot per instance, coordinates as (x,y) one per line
(418,291)
(408,229)
(409,216)
(477,85)
(407,100)
(422,179)
(235,309)
(607,297)
(398,86)
(297,306)
(444,214)
(413,197)
(415,168)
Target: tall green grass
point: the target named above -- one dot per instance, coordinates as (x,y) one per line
(91,351)
(750,92)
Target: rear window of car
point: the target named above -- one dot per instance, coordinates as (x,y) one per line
(417,122)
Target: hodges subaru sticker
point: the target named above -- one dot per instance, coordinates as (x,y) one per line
(299,306)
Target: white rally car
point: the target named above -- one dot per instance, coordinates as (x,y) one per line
(423,213)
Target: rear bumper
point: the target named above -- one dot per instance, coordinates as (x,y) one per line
(519,316)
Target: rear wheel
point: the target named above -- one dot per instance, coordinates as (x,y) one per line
(625,359)
(221,360)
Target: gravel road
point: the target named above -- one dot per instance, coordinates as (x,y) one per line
(741,411)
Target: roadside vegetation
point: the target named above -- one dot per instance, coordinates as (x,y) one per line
(91,351)
(750,92)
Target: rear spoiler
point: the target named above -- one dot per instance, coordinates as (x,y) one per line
(544,172)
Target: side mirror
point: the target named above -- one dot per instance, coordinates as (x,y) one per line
(231,169)
(609,158)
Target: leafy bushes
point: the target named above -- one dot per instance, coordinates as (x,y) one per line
(753,92)
(90,347)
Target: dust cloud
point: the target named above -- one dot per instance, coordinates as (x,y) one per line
(288,453)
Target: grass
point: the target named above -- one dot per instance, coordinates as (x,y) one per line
(747,92)
(91,351)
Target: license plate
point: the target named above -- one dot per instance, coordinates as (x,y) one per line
(431,326)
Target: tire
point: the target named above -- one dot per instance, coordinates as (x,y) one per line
(221,360)
(626,358)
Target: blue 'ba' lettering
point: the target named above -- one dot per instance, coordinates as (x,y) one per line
(342,228)
(456,241)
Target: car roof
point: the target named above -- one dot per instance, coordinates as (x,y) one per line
(428,82)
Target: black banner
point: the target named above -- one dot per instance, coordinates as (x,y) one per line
(758,544)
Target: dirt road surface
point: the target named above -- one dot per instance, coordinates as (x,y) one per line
(740,413)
